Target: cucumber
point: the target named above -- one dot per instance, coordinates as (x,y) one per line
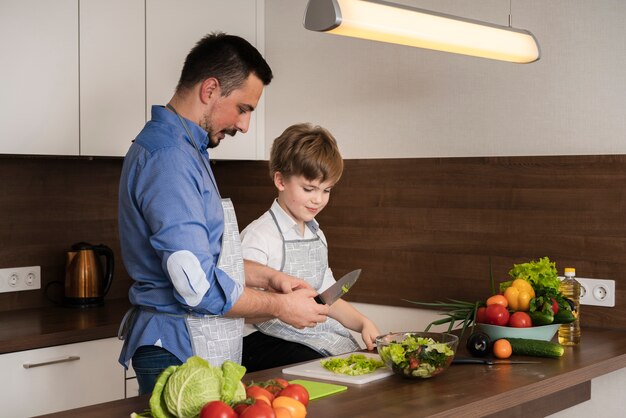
(537,348)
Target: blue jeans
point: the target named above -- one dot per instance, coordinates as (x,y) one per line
(148,362)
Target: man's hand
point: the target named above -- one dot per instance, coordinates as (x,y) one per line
(284,283)
(300,310)
(263,277)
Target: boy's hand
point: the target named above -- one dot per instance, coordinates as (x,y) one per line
(369,332)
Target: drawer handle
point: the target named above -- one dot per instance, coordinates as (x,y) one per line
(45,363)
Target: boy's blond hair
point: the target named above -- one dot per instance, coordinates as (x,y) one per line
(306,150)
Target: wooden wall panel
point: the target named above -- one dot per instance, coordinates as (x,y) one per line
(426,229)
(421,229)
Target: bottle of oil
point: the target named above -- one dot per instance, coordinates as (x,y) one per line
(569,334)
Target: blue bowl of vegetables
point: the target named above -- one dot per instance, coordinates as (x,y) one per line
(417,355)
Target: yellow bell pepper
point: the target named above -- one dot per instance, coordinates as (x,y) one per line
(519,295)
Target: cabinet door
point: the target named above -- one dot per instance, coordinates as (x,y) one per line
(39,77)
(58,378)
(112,75)
(173,28)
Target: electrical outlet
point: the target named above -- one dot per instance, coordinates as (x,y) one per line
(20,278)
(597,292)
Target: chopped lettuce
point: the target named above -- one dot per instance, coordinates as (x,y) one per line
(417,356)
(353,365)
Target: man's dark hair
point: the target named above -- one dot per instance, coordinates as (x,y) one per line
(228,58)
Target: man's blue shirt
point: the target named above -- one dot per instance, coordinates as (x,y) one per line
(171,224)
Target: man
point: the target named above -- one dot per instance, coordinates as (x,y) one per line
(179,239)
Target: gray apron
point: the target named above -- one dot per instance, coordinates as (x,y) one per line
(218,338)
(308,259)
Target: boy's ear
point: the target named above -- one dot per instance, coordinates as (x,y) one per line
(279,181)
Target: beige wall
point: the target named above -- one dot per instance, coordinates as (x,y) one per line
(385,101)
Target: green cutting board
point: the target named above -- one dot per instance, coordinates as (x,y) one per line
(319,389)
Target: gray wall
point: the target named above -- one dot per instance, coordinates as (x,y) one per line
(387,101)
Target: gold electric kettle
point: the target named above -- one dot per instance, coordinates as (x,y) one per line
(86,283)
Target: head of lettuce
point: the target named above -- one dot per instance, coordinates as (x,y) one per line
(182,391)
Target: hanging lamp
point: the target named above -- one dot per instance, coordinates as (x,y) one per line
(405,25)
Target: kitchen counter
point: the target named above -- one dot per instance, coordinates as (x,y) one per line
(463,390)
(29,329)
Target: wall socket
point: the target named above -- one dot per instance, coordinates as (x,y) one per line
(597,292)
(20,278)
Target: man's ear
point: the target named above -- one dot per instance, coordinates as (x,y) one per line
(279,181)
(209,89)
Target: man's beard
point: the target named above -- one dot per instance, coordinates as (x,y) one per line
(213,140)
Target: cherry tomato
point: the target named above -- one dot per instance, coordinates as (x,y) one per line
(502,348)
(481,317)
(261,398)
(555,306)
(258,410)
(254,391)
(282,412)
(496,315)
(497,300)
(276,385)
(297,392)
(297,409)
(240,407)
(217,409)
(520,320)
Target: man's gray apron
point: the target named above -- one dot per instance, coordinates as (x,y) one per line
(308,259)
(214,338)
(218,338)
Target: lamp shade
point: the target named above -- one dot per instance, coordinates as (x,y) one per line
(399,24)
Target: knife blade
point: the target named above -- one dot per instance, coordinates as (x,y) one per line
(340,288)
(490,362)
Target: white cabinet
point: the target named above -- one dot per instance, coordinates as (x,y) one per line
(173,27)
(112,75)
(39,77)
(79,77)
(52,379)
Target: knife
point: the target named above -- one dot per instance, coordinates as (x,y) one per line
(334,292)
(489,362)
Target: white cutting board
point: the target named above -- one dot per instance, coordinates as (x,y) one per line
(314,369)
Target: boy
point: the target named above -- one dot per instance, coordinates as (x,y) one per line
(305,164)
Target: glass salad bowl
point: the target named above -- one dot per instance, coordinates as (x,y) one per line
(417,355)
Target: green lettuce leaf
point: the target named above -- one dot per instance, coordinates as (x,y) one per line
(231,387)
(541,273)
(191,386)
(158,408)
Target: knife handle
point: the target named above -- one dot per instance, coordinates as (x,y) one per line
(319,300)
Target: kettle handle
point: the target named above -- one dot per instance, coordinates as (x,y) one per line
(108,273)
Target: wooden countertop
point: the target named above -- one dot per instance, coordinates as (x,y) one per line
(463,390)
(28,329)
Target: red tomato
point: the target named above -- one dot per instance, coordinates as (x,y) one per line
(217,409)
(254,391)
(276,385)
(240,407)
(258,410)
(555,306)
(497,315)
(520,320)
(481,317)
(297,392)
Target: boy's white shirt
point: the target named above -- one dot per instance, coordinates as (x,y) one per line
(261,242)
